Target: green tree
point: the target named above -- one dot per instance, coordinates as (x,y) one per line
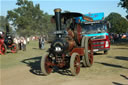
(27,19)
(124,4)
(3,22)
(118,23)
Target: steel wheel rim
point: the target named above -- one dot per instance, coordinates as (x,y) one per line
(3,49)
(77,64)
(47,65)
(13,49)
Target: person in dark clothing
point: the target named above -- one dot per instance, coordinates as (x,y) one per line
(41,43)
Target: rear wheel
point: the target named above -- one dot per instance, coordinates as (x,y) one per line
(75,64)
(83,59)
(45,65)
(88,52)
(3,49)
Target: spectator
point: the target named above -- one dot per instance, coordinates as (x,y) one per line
(16,40)
(24,45)
(41,42)
(28,40)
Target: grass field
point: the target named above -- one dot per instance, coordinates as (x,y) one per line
(110,69)
(13,59)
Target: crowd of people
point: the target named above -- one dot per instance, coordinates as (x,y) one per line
(22,41)
(114,37)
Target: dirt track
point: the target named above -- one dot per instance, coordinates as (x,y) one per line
(110,69)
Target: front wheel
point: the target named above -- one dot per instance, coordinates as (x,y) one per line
(75,64)
(14,48)
(45,65)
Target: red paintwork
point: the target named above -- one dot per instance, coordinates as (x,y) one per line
(77,64)
(80,51)
(102,40)
(2,49)
(9,46)
(107,39)
(47,65)
(61,64)
(79,30)
(90,54)
(14,49)
(99,45)
(71,44)
(2,44)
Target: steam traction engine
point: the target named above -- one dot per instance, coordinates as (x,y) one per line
(6,42)
(69,48)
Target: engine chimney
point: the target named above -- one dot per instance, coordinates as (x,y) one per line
(58,18)
(7,28)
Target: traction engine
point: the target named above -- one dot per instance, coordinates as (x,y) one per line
(7,42)
(69,48)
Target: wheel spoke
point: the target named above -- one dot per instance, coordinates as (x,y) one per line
(75,64)
(90,55)
(14,49)
(47,65)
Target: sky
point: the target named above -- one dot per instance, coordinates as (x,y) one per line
(81,6)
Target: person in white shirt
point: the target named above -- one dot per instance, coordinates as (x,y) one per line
(28,40)
(15,41)
(24,44)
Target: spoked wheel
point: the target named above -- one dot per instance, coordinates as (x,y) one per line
(88,56)
(75,64)
(3,49)
(46,65)
(14,48)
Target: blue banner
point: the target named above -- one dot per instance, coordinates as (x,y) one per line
(94,16)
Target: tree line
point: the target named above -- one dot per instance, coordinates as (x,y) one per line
(28,19)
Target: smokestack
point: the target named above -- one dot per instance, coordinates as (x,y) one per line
(7,28)
(58,18)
